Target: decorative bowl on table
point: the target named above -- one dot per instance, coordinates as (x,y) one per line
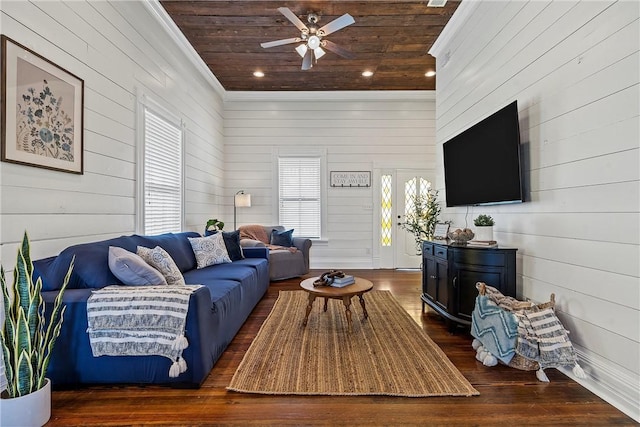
(461,236)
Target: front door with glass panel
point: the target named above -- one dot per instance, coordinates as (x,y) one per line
(409,183)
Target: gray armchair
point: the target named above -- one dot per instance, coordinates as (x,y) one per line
(283,263)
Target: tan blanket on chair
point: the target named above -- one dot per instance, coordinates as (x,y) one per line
(257,232)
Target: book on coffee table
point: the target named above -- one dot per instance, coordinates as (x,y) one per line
(339,282)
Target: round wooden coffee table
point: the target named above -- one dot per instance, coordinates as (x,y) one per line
(345,294)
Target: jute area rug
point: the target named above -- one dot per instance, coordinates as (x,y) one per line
(387,354)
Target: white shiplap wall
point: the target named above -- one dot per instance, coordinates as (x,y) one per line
(574,69)
(119,49)
(357,131)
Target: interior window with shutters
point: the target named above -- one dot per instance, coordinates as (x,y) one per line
(300,195)
(162,177)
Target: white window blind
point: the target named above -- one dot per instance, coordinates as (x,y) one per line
(162,174)
(299,195)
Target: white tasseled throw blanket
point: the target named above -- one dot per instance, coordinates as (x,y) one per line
(140,321)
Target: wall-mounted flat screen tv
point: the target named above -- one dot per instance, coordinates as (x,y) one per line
(482,164)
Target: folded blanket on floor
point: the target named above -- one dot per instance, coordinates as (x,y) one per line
(541,337)
(495,328)
(140,321)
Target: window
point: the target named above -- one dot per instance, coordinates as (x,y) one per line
(299,195)
(162,173)
(386,211)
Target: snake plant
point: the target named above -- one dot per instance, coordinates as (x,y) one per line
(27,337)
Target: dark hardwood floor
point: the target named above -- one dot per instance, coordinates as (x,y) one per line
(507,396)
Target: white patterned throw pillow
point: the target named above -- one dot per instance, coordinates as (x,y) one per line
(209,250)
(159,259)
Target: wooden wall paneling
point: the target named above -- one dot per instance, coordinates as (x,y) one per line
(585,334)
(29,15)
(113,57)
(356,135)
(575,75)
(616,288)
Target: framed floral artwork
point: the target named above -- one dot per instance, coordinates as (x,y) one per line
(42,111)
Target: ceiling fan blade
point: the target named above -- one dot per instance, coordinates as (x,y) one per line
(336,24)
(280,42)
(307,61)
(329,45)
(293,18)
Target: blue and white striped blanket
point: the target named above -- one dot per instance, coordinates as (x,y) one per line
(140,321)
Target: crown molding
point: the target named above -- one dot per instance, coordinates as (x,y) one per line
(369,95)
(457,21)
(160,14)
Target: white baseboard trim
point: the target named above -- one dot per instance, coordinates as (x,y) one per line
(609,383)
(341,265)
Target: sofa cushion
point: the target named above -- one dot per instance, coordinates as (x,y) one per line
(209,250)
(176,244)
(131,269)
(232,242)
(230,271)
(282,238)
(162,261)
(91,267)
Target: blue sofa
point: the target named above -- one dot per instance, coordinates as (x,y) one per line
(216,311)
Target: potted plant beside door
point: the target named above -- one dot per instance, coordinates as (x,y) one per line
(27,338)
(422,218)
(484,228)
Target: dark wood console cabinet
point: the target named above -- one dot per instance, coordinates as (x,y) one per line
(450,273)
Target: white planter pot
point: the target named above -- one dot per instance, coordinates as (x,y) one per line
(34,409)
(484,233)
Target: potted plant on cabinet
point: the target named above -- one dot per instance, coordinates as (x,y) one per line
(27,338)
(212,226)
(484,227)
(421,220)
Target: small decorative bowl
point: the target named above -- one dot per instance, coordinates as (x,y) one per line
(461,237)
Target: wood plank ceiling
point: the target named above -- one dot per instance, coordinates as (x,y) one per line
(389,38)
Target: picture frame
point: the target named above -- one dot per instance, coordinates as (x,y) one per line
(42,111)
(441,230)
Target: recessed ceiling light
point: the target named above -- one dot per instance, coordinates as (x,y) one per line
(430,73)
(367,73)
(258,74)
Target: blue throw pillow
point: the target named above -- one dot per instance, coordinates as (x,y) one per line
(282,238)
(231,241)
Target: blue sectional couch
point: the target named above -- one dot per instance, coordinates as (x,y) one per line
(216,311)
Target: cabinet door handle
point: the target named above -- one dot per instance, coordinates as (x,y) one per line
(433,277)
(455,285)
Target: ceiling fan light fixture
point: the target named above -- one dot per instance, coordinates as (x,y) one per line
(312,37)
(302,50)
(313,42)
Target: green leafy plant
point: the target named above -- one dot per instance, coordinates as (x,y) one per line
(483,221)
(214,225)
(422,219)
(27,338)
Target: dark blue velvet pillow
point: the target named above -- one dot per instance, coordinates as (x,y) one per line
(282,238)
(231,241)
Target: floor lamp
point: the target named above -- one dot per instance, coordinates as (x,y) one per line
(241,200)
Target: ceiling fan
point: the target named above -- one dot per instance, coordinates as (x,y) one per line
(313,38)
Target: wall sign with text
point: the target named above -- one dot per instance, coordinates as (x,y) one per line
(350,179)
